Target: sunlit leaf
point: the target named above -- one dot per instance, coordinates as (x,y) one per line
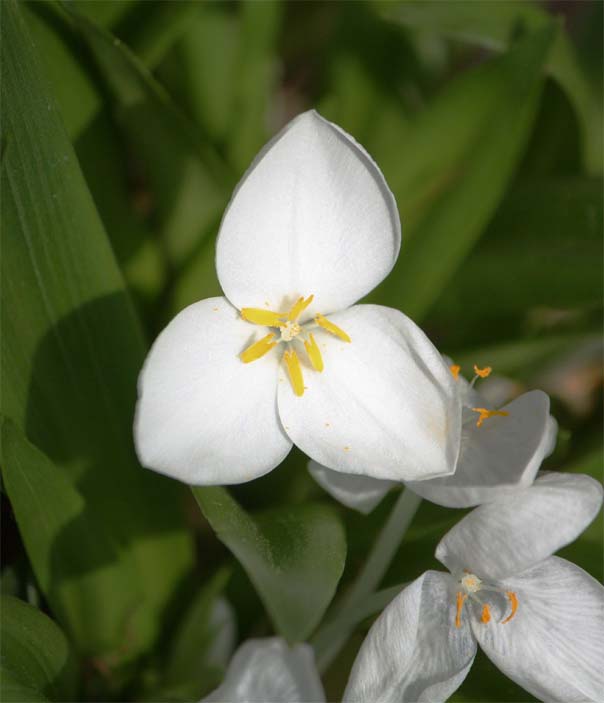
(72,347)
(294,556)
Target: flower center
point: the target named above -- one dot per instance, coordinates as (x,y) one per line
(290,331)
(470,585)
(483,413)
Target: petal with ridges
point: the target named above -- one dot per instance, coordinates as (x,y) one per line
(385,405)
(203,416)
(553,646)
(312,215)
(501,455)
(268,670)
(413,651)
(519,530)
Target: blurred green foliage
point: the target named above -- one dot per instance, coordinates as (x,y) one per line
(125,127)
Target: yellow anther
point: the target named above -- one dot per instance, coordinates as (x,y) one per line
(482,373)
(461,597)
(486,614)
(455,369)
(330,327)
(514,605)
(258,349)
(485,414)
(294,371)
(314,353)
(258,316)
(299,307)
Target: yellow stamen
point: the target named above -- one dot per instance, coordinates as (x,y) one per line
(258,316)
(486,614)
(455,369)
(258,349)
(294,371)
(482,373)
(485,414)
(514,605)
(299,307)
(461,597)
(314,353)
(330,327)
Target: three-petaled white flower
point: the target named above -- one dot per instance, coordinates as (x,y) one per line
(286,357)
(539,618)
(501,450)
(268,670)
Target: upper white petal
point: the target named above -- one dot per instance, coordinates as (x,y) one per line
(361,493)
(268,671)
(413,652)
(554,646)
(499,456)
(203,416)
(515,532)
(385,405)
(312,215)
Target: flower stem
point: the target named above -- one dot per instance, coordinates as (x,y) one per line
(329,640)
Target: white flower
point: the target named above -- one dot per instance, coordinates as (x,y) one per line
(501,450)
(232,382)
(267,671)
(539,618)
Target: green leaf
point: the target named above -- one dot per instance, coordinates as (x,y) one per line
(294,556)
(492,26)
(72,351)
(189,183)
(453,166)
(203,643)
(77,564)
(36,658)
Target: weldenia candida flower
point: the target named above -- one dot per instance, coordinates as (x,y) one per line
(539,618)
(268,670)
(501,449)
(286,357)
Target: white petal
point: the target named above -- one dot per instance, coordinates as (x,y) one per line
(267,671)
(203,416)
(515,532)
(413,651)
(499,456)
(312,215)
(361,493)
(554,645)
(385,405)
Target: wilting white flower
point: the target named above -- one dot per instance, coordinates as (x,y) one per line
(286,357)
(501,450)
(539,618)
(268,671)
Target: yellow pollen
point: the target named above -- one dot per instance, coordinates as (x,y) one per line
(314,353)
(330,327)
(299,307)
(258,316)
(485,414)
(294,371)
(455,369)
(289,330)
(486,614)
(513,604)
(258,349)
(482,373)
(461,597)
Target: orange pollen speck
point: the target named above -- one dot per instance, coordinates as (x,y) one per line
(455,369)
(483,373)
(486,614)
(514,605)
(485,414)
(461,597)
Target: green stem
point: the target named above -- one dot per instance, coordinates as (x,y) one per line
(329,640)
